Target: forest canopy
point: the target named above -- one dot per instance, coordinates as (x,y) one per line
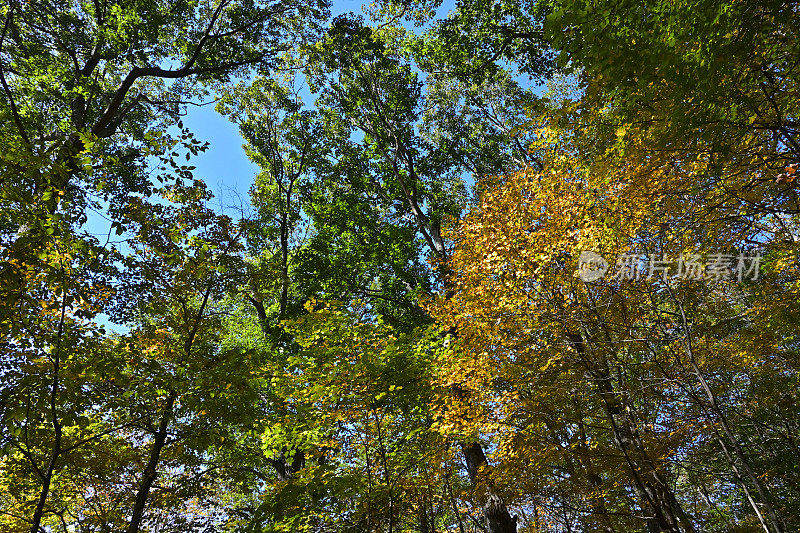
(505,266)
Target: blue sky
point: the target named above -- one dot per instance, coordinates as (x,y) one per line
(224,166)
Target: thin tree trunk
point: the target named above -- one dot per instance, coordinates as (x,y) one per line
(56,451)
(722,420)
(663,511)
(150,471)
(160,438)
(592,477)
(453,503)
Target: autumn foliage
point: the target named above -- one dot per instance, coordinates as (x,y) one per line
(522,266)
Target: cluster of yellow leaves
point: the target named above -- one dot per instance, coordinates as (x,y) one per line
(515,372)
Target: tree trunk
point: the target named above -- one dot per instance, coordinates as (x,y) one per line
(57,433)
(48,476)
(663,512)
(495,512)
(722,420)
(150,471)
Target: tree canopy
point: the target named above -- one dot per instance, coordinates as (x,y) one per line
(505,267)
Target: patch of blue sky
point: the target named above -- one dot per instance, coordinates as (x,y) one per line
(224,166)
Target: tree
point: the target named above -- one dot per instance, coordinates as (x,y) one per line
(291,370)
(86,87)
(357,408)
(528,326)
(712,83)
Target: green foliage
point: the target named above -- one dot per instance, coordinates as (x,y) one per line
(370,345)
